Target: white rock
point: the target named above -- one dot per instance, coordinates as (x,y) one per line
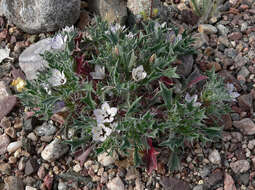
(240,166)
(54,150)
(12,147)
(106,159)
(116,184)
(207,29)
(30,60)
(77,168)
(251,144)
(30,188)
(62,186)
(214,157)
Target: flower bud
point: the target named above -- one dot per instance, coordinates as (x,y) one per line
(152,58)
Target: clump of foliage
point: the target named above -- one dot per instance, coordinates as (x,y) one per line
(116,88)
(206,9)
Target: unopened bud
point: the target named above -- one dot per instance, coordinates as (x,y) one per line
(116,51)
(152,58)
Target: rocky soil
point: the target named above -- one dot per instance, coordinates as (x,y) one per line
(32,157)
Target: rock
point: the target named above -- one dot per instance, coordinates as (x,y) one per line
(115,184)
(215,177)
(22,164)
(229,183)
(198,187)
(13,183)
(240,166)
(4,90)
(10,131)
(137,7)
(201,39)
(170,183)
(30,60)
(111,11)
(228,77)
(30,188)
(236,137)
(4,142)
(84,20)
(12,147)
(31,166)
(214,157)
(245,102)
(246,126)
(244,72)
(5,123)
(207,29)
(32,136)
(5,169)
(46,129)
(235,36)
(230,52)
(185,68)
(106,159)
(62,186)
(227,121)
(54,150)
(244,178)
(251,144)
(77,168)
(6,105)
(37,16)
(244,26)
(204,172)
(223,30)
(41,172)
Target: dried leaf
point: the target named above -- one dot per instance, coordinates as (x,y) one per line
(83,157)
(196,80)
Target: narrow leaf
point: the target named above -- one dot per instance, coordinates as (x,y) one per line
(166,94)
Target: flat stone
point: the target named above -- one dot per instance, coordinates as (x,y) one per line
(185,68)
(245,102)
(4,142)
(37,16)
(31,166)
(240,166)
(229,183)
(235,36)
(54,150)
(111,11)
(12,147)
(115,184)
(6,105)
(30,60)
(244,178)
(246,126)
(170,183)
(207,29)
(223,30)
(215,177)
(214,157)
(46,129)
(13,183)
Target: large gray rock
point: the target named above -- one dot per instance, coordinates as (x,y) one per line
(36,16)
(30,60)
(109,10)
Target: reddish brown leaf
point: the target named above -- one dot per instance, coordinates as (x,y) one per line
(167,81)
(196,80)
(83,67)
(150,157)
(83,157)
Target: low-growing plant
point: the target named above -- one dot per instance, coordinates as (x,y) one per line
(115,87)
(206,9)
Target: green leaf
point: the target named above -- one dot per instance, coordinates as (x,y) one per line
(131,109)
(174,162)
(132,60)
(167,94)
(137,158)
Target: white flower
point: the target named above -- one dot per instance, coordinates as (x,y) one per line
(105,114)
(115,28)
(68,29)
(193,99)
(46,88)
(58,42)
(57,78)
(231,88)
(138,73)
(130,35)
(101,132)
(99,72)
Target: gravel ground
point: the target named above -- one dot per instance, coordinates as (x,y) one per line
(227,43)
